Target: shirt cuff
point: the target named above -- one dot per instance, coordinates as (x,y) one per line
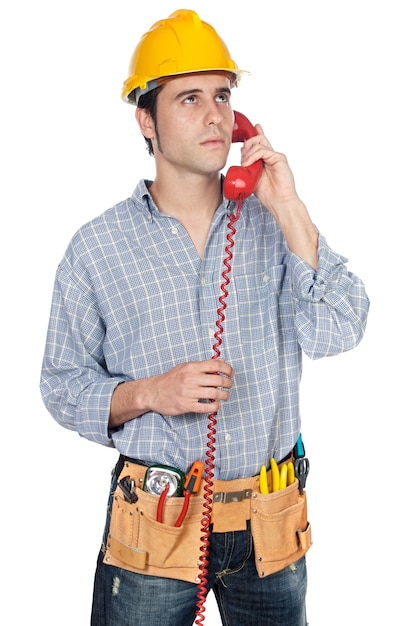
(310,284)
(92,413)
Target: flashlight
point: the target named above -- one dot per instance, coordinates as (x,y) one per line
(157,477)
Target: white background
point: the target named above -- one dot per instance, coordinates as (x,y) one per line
(332,83)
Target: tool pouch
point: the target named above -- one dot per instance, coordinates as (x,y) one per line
(136,541)
(139,543)
(280,528)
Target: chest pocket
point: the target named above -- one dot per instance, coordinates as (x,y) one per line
(264,305)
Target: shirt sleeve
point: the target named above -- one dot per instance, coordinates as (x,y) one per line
(331,304)
(75,384)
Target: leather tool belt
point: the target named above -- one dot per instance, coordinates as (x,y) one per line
(139,543)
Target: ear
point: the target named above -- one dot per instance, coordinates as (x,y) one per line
(144,120)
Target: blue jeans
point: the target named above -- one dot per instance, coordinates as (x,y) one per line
(123,598)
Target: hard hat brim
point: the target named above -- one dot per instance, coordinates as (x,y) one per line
(132,93)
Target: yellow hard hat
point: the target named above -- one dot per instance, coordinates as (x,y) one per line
(180,44)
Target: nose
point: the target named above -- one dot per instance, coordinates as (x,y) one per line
(213,115)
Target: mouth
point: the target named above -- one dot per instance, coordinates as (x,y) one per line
(213,140)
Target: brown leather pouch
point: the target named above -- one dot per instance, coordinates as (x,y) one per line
(280,528)
(139,543)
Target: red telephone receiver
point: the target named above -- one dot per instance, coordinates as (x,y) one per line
(239,181)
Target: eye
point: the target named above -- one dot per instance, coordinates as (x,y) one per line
(190,99)
(222,97)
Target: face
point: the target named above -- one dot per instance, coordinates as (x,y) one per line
(194,122)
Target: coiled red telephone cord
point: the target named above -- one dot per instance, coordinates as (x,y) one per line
(212,422)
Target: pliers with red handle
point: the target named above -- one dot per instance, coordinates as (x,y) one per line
(191,487)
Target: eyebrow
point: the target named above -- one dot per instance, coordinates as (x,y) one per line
(188,92)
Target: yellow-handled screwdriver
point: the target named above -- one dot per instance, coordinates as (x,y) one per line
(264,487)
(283,476)
(275,475)
(290,473)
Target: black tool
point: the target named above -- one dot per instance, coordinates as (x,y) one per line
(127,488)
(301,472)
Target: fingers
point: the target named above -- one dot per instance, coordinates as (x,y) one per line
(217,366)
(258,147)
(212,385)
(213,377)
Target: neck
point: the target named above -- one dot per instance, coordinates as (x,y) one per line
(188,199)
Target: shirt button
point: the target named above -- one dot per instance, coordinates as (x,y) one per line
(174,230)
(211,332)
(203,282)
(266,278)
(227,438)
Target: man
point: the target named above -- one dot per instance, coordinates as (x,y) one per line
(142,354)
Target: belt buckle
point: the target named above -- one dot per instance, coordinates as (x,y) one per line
(232,496)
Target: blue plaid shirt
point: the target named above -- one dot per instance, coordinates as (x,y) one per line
(132,298)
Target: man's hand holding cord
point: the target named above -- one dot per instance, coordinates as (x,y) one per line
(178,391)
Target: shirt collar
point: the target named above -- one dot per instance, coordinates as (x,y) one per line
(144,201)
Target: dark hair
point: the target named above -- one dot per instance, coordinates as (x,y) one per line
(148,101)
